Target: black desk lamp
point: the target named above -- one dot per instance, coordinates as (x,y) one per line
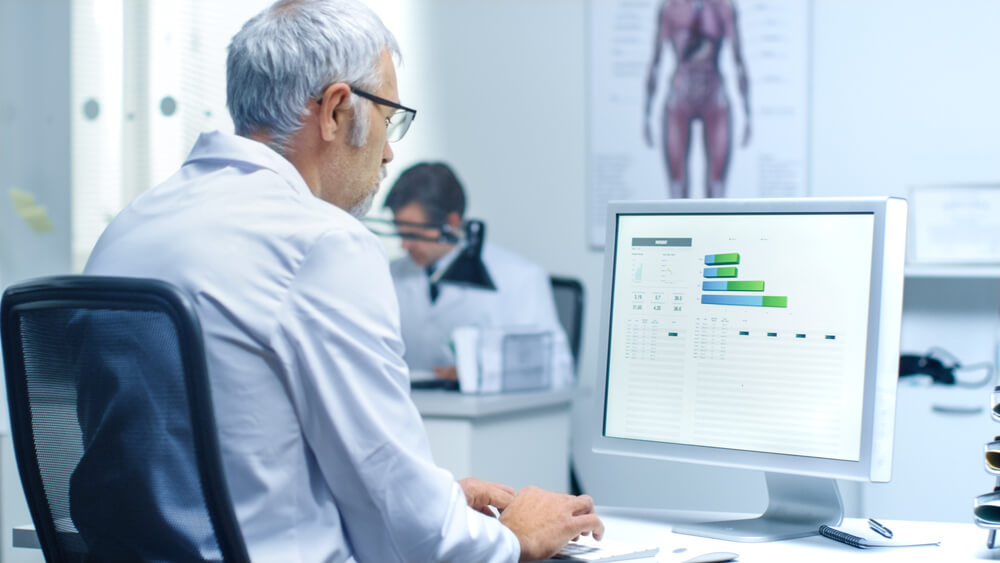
(465,269)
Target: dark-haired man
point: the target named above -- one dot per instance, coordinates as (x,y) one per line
(430,193)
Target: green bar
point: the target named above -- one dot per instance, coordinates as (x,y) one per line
(725,272)
(745,285)
(727,258)
(775,301)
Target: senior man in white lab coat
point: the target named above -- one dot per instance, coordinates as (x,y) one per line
(324,451)
(430,193)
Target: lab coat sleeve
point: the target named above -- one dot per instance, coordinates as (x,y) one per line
(338,343)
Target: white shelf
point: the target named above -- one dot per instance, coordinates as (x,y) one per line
(953,271)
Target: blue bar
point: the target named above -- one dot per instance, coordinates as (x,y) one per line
(715,285)
(748,300)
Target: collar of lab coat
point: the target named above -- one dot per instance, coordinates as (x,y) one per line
(226,147)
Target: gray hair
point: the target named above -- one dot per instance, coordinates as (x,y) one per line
(283,57)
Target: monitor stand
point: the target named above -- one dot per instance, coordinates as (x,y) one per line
(796,507)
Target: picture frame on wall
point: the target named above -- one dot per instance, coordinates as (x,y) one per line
(954,224)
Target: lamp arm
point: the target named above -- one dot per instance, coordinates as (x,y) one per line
(389,228)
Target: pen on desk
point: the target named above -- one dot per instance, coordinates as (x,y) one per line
(879,528)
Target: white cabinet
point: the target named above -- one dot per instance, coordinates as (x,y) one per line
(941,429)
(519,439)
(938,461)
(953,272)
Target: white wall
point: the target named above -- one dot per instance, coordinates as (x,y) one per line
(34,156)
(902,95)
(34,134)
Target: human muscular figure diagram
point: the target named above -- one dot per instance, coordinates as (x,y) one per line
(695,30)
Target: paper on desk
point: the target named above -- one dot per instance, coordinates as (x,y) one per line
(422,375)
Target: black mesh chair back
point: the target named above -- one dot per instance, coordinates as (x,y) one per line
(568,294)
(112,422)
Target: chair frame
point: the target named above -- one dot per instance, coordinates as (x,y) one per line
(576,332)
(119,293)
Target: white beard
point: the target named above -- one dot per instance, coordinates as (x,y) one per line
(362,208)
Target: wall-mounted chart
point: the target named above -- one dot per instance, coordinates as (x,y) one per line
(696,98)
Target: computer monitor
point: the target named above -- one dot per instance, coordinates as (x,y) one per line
(759,334)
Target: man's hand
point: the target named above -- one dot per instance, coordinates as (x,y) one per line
(480,495)
(446,372)
(544,522)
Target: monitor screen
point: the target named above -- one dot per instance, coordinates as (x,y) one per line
(754,333)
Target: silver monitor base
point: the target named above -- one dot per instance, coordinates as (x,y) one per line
(796,507)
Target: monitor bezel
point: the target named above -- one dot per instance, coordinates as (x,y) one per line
(882,347)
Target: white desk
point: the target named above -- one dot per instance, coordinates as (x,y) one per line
(959,542)
(519,439)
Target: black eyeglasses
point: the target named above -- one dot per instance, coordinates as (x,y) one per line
(396,124)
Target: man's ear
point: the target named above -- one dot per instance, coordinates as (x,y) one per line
(454,220)
(335,110)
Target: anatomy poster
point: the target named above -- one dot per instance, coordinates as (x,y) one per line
(696,98)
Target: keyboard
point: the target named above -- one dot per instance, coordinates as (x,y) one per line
(593,551)
(446,384)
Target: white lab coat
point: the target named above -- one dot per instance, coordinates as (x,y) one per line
(523,299)
(325,454)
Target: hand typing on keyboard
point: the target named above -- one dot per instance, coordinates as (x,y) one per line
(544,521)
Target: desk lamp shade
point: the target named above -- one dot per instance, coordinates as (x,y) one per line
(467,268)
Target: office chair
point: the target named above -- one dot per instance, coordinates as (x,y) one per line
(112,421)
(568,294)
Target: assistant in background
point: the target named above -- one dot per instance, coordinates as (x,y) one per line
(430,193)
